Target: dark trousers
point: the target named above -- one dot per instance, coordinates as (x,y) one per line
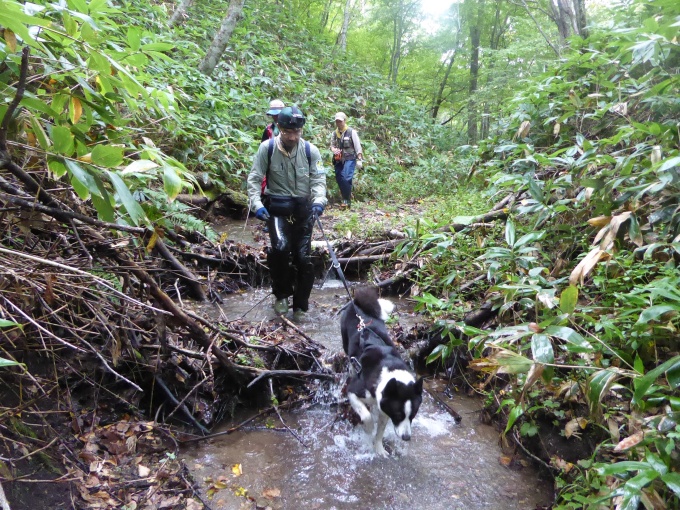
(289,258)
(344,173)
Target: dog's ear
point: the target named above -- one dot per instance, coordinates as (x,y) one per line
(391,388)
(419,386)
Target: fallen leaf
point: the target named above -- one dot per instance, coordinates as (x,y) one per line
(630,441)
(143,471)
(237,469)
(271,493)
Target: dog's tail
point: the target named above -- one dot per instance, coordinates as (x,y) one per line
(367,299)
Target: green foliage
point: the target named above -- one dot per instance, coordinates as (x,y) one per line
(86,92)
(584,274)
(4,323)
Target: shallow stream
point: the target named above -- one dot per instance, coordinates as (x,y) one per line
(322,462)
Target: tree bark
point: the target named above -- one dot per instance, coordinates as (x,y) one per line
(181,10)
(475,37)
(219,43)
(341,42)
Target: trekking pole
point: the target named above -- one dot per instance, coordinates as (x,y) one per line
(334,258)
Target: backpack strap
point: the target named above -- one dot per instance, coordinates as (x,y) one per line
(308,153)
(270,151)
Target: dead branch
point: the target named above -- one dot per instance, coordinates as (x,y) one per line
(187,276)
(264,374)
(174,400)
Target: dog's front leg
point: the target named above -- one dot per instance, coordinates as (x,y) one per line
(378,445)
(360,408)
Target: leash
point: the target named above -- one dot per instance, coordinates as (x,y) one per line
(334,260)
(354,363)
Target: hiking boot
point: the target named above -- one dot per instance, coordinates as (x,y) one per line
(299,315)
(346,203)
(281,306)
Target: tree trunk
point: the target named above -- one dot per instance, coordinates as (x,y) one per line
(181,10)
(580,18)
(439,96)
(341,42)
(397,33)
(325,14)
(475,36)
(219,43)
(570,18)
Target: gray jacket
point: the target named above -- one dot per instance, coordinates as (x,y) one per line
(288,176)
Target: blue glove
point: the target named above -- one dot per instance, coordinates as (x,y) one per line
(262,214)
(317,210)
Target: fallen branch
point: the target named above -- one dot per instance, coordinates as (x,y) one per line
(288,373)
(186,275)
(179,404)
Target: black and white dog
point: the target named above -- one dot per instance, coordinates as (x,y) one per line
(382,388)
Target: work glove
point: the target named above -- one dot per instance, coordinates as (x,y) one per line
(360,163)
(317,210)
(262,214)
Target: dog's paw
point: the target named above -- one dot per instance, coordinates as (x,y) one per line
(380,450)
(365,416)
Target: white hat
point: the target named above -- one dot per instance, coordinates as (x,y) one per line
(340,116)
(275,107)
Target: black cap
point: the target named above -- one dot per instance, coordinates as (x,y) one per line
(291,117)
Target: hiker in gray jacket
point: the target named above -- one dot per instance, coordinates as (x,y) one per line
(294,195)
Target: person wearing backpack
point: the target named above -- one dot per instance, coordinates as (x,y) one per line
(271,130)
(294,196)
(347,155)
(275,106)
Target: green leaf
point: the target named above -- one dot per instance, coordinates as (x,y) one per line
(158,46)
(104,208)
(172,183)
(81,180)
(139,166)
(575,342)
(642,479)
(542,351)
(645,382)
(672,480)
(4,323)
(569,299)
(512,363)
(39,132)
(654,312)
(33,103)
(107,156)
(8,363)
(435,354)
(63,140)
(134,37)
(510,232)
(56,166)
(598,385)
(621,467)
(529,238)
(639,365)
(131,206)
(516,412)
(631,499)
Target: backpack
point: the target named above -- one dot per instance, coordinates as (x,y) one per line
(270,151)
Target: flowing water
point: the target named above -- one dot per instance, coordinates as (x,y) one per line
(318,460)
